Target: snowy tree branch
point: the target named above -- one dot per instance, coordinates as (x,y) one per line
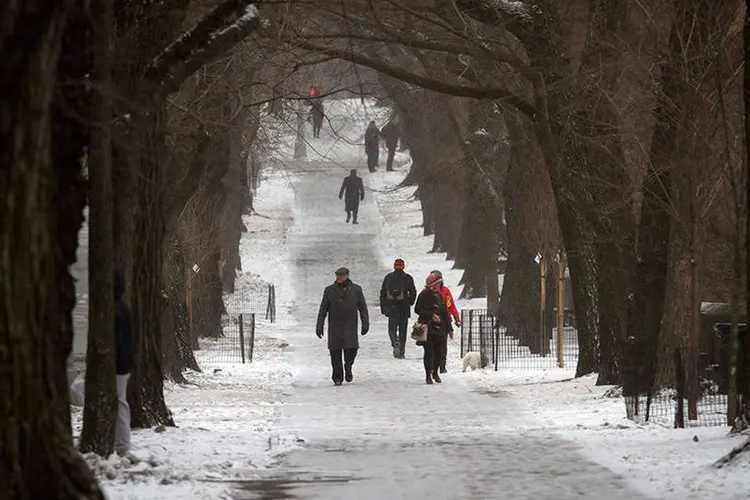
(220,30)
(435,85)
(512,15)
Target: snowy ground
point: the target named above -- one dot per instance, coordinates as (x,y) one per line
(278,427)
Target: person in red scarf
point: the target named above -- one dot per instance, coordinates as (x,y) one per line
(453,311)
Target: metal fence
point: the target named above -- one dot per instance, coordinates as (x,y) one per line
(235,346)
(675,404)
(507,348)
(258,298)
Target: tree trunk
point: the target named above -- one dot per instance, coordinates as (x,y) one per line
(100,410)
(35,282)
(521,294)
(559,132)
(146,387)
(744,351)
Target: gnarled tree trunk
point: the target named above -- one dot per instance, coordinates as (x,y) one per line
(34,411)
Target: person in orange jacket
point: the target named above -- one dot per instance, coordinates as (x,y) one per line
(453,311)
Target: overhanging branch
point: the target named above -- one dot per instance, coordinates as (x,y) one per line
(500,94)
(220,30)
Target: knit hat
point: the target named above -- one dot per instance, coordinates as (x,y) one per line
(432,278)
(398,264)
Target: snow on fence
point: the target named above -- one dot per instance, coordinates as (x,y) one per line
(506,347)
(235,346)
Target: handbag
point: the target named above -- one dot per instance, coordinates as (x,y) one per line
(419,332)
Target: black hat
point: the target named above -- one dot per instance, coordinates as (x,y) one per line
(341,271)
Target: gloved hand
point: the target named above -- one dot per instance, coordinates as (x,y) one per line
(319,333)
(458,323)
(365,329)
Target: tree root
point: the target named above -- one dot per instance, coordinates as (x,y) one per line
(732,455)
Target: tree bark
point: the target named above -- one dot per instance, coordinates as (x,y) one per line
(744,351)
(521,294)
(100,410)
(33,346)
(146,387)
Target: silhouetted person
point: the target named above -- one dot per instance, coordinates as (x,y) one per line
(353,191)
(318,114)
(372,148)
(390,133)
(341,302)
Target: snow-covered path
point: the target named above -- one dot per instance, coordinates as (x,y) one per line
(387,435)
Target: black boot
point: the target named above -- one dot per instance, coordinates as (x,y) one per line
(428,379)
(348,376)
(348,216)
(436,377)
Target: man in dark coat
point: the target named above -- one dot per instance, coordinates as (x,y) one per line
(317,116)
(341,302)
(124,347)
(354,190)
(397,295)
(372,148)
(391,134)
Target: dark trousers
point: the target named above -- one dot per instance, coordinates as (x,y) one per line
(372,159)
(352,213)
(338,368)
(432,349)
(398,323)
(443,352)
(389,161)
(317,124)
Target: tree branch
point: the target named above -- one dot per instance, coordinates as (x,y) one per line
(220,30)
(439,86)
(512,15)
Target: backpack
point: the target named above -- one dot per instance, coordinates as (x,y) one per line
(396,290)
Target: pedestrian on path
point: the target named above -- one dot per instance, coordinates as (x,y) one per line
(124,347)
(390,133)
(397,295)
(431,311)
(341,302)
(318,113)
(453,311)
(372,146)
(353,191)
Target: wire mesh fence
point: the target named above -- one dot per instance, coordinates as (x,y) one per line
(677,403)
(256,297)
(505,347)
(235,346)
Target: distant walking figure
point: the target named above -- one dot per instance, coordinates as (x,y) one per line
(391,134)
(372,148)
(353,191)
(317,115)
(397,295)
(341,302)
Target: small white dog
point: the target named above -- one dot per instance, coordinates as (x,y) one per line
(474,360)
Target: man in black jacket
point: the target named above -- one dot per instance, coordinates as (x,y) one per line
(341,302)
(397,295)
(124,346)
(354,190)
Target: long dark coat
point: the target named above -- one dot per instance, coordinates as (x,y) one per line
(341,302)
(430,302)
(354,190)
